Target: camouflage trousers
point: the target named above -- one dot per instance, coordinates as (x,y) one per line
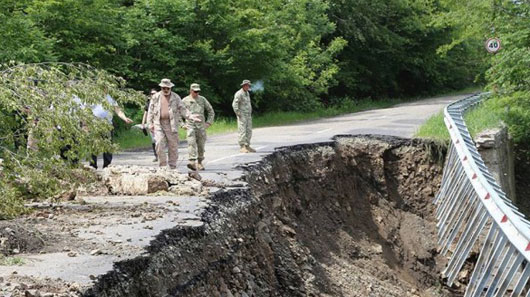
(196,139)
(244,127)
(165,138)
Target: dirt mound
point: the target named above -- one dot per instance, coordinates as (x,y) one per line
(351,217)
(15,239)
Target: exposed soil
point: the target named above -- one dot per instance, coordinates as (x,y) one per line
(522,179)
(353,217)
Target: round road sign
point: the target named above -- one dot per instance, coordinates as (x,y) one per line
(493,45)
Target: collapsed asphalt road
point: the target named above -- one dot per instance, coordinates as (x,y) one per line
(221,169)
(351,217)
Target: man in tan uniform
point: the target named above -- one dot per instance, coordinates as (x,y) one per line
(163,117)
(243,111)
(196,132)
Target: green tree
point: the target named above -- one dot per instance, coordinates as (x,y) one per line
(84,31)
(47,126)
(392,49)
(508,73)
(21,39)
(218,43)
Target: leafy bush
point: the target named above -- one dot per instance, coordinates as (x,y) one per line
(47,127)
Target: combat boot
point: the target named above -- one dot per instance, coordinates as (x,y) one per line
(154,151)
(244,149)
(199,166)
(192,166)
(250,149)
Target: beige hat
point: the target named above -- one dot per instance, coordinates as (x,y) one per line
(166,83)
(246,82)
(195,87)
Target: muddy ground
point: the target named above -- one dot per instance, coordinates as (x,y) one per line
(352,217)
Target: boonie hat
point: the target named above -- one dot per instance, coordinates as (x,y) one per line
(166,83)
(246,82)
(195,87)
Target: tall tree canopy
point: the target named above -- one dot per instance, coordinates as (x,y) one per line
(508,73)
(300,49)
(392,49)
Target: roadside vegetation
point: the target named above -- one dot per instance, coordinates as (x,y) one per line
(482,117)
(506,73)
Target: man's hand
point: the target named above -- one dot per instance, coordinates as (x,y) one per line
(207,125)
(127,120)
(195,118)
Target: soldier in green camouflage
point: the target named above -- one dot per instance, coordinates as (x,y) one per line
(196,131)
(243,111)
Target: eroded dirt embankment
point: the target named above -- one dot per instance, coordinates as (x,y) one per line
(351,217)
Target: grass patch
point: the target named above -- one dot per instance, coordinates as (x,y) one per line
(283,117)
(485,116)
(480,118)
(132,138)
(11,261)
(434,128)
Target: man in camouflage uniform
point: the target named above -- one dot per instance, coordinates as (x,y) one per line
(165,111)
(196,131)
(243,111)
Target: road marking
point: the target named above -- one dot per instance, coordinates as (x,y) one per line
(234,155)
(227,157)
(322,131)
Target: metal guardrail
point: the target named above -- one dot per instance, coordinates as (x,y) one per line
(473,209)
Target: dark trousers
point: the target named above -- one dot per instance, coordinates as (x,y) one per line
(107,159)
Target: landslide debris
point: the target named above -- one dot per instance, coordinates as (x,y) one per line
(352,217)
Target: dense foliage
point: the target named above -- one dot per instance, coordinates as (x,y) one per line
(299,49)
(47,127)
(508,73)
(393,50)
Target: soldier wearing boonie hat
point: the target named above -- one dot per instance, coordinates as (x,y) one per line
(163,117)
(196,132)
(243,110)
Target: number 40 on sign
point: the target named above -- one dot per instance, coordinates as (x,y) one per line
(493,45)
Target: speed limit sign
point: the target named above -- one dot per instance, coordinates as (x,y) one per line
(493,45)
